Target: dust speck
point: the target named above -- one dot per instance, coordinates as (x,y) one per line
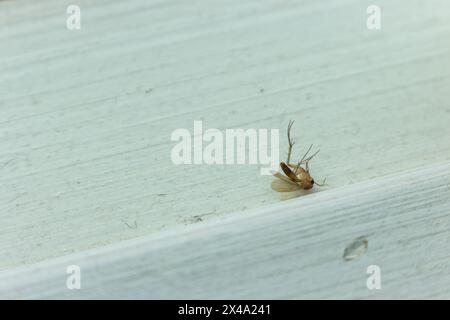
(356,248)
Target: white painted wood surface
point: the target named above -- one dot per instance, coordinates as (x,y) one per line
(86,116)
(289,250)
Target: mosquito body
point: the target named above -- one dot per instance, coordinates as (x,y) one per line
(295,176)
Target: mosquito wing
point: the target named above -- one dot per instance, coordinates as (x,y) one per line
(283,184)
(288,172)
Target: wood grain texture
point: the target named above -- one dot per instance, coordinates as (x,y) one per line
(86,116)
(289,250)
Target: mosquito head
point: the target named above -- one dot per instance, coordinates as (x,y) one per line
(308,181)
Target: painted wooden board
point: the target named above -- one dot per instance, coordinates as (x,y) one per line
(289,250)
(86,116)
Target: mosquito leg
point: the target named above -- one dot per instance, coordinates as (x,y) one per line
(306,161)
(323,183)
(312,156)
(303,158)
(291,143)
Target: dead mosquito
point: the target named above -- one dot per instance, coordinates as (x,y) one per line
(296,177)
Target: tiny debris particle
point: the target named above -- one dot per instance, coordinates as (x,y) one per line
(134,226)
(191,220)
(196,219)
(356,248)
